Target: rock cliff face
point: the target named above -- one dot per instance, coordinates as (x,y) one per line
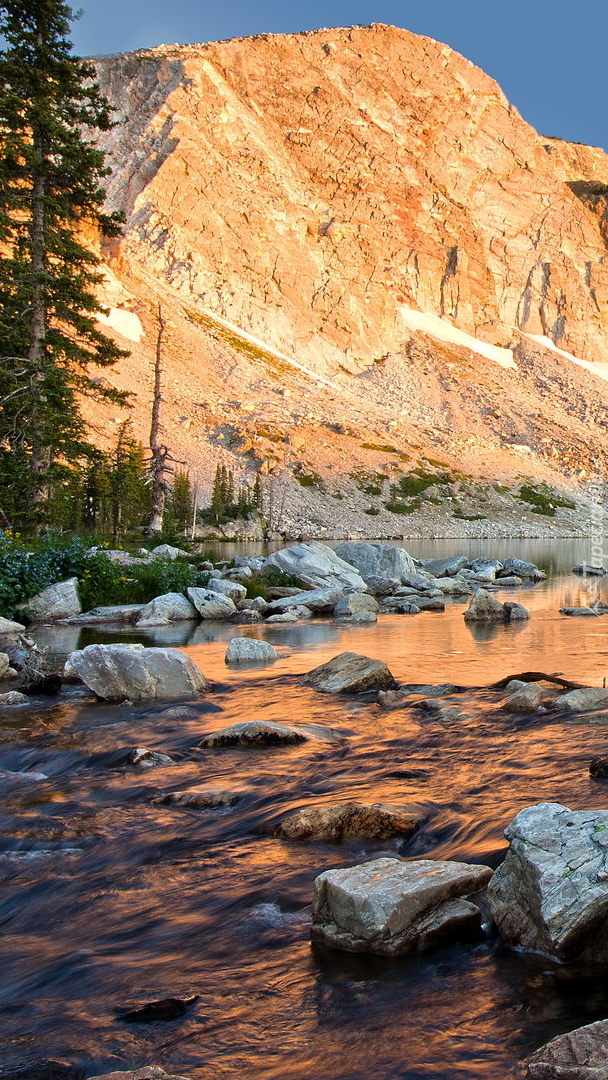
(358,215)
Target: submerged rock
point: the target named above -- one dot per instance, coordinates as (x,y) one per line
(580,611)
(198,799)
(485,608)
(117,613)
(581,1054)
(13,697)
(142,758)
(390,906)
(254,733)
(120,672)
(550,894)
(250,650)
(350,673)
(149,1072)
(598,768)
(588,570)
(346,820)
(45,1069)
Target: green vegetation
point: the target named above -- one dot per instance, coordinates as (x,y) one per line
(51,177)
(373,511)
(368,482)
(386,449)
(260,584)
(307,479)
(228,502)
(544,499)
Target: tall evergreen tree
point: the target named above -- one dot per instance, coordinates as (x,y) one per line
(51,189)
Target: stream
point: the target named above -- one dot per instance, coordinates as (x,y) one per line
(108,901)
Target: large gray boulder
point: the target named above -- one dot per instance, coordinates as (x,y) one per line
(581,1054)
(350,673)
(121,672)
(313,599)
(233,589)
(376,560)
(525,699)
(316,565)
(347,820)
(59,601)
(244,650)
(444,567)
(588,697)
(550,894)
(522,569)
(357,607)
(485,569)
(165,609)
(390,906)
(210,604)
(485,608)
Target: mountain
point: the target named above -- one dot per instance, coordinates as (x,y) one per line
(370,267)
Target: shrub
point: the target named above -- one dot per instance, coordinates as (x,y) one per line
(372,511)
(543,499)
(24,573)
(260,583)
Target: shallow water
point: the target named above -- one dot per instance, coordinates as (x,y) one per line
(108,901)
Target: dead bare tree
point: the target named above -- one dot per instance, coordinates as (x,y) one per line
(159,467)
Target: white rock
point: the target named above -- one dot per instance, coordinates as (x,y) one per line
(7,626)
(13,697)
(248,650)
(210,604)
(5,663)
(226,587)
(166,551)
(120,672)
(526,699)
(165,609)
(376,560)
(59,601)
(315,564)
(392,906)
(589,697)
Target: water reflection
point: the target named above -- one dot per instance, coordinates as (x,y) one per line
(108,900)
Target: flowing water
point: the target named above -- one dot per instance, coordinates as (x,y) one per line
(108,901)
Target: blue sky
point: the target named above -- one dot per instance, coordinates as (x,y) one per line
(548,55)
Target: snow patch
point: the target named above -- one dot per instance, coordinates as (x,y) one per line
(445,331)
(126,323)
(601,370)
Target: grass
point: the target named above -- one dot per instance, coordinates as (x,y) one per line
(543,499)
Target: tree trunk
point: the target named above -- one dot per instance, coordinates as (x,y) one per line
(159,453)
(40,460)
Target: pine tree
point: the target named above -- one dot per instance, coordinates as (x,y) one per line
(218,493)
(51,178)
(181,501)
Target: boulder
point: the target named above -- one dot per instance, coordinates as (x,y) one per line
(59,601)
(290,616)
(525,699)
(142,758)
(257,603)
(584,611)
(376,560)
(350,673)
(453,586)
(246,617)
(8,626)
(485,569)
(416,581)
(515,612)
(381,586)
(165,609)
(13,697)
(166,551)
(391,906)
(550,894)
(587,570)
(314,600)
(249,563)
(359,607)
(5,663)
(521,569)
(254,733)
(444,567)
(316,565)
(250,650)
(427,603)
(226,587)
(149,1072)
(348,820)
(198,798)
(588,697)
(581,1054)
(515,684)
(120,672)
(510,581)
(598,768)
(210,604)
(118,613)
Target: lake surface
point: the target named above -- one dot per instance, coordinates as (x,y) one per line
(108,901)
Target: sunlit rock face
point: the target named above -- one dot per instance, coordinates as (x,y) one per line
(315,188)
